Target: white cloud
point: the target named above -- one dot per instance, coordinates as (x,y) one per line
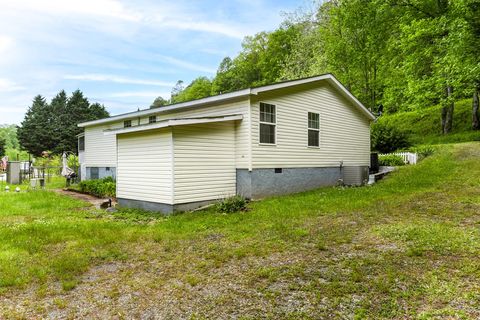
(205,26)
(5,43)
(139,94)
(108,8)
(117,79)
(187,65)
(7,110)
(7,85)
(158,16)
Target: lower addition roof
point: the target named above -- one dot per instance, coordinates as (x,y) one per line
(172,123)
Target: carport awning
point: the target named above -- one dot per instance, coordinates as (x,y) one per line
(172,122)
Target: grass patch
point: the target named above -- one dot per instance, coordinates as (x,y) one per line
(424,126)
(427,236)
(405,247)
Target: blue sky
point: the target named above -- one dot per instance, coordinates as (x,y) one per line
(119,53)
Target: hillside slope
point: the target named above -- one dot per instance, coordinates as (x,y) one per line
(424,125)
(406,247)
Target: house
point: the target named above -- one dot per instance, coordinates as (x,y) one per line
(275,139)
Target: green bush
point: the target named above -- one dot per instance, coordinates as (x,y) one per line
(423,151)
(390,160)
(105,187)
(232,204)
(387,138)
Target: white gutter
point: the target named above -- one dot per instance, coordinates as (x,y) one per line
(171,123)
(173,107)
(235,95)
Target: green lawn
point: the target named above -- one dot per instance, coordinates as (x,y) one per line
(407,247)
(423,125)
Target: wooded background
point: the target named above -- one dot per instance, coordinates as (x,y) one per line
(402,54)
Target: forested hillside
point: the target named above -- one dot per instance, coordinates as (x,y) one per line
(403,54)
(422,126)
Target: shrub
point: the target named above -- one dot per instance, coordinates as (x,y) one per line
(424,151)
(105,187)
(232,204)
(387,138)
(390,160)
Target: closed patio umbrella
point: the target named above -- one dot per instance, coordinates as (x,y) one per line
(66,171)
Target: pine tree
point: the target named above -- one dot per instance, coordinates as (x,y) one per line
(53,127)
(33,134)
(76,111)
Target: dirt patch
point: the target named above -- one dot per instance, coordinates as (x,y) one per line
(98,203)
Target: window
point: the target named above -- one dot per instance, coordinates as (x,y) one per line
(152,119)
(94,173)
(267,123)
(81,144)
(313,129)
(127,123)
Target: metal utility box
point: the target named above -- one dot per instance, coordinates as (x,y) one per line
(374,164)
(13,172)
(355,176)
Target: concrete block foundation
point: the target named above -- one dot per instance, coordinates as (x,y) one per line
(162,207)
(260,183)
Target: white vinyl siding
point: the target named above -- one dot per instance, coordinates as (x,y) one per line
(242,128)
(144,170)
(344,131)
(101,150)
(204,161)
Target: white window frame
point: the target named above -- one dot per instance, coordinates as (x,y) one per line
(274,124)
(313,129)
(125,123)
(152,117)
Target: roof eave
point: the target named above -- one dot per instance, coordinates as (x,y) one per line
(236,95)
(182,105)
(172,123)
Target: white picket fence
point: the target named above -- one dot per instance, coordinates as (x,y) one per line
(408,157)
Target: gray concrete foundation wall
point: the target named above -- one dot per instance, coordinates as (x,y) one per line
(260,183)
(103,172)
(146,205)
(162,207)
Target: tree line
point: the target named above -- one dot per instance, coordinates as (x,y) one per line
(53,126)
(400,54)
(8,138)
